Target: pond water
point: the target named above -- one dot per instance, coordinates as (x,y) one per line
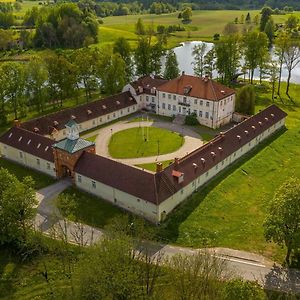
(185,60)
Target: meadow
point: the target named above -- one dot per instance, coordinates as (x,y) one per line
(202,27)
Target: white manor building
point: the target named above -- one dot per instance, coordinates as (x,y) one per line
(47,145)
(212,102)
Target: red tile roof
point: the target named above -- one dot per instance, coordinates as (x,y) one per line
(82,113)
(203,88)
(29,142)
(147,83)
(125,178)
(158,187)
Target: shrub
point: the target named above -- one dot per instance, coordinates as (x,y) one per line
(191,119)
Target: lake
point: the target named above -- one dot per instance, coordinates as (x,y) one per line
(185,60)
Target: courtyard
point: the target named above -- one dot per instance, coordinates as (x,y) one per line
(141,141)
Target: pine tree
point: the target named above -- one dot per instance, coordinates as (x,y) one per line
(248,18)
(171,68)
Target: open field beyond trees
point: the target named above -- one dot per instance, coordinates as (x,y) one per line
(143,142)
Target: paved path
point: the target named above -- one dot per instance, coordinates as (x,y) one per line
(192,140)
(242,264)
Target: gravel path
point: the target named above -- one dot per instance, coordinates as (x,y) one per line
(192,140)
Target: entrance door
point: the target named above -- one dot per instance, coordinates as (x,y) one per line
(184,111)
(66,172)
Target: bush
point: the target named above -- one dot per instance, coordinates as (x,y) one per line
(191,120)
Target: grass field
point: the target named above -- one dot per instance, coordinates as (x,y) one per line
(131,142)
(229,212)
(41,180)
(204,25)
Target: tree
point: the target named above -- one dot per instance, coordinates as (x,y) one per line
(242,19)
(282,224)
(86,61)
(292,22)
(230,29)
(14,86)
(62,81)
(281,45)
(171,66)
(272,71)
(36,78)
(246,290)
(256,19)
(122,46)
(186,15)
(209,62)
(197,276)
(228,57)
(139,27)
(255,48)
(266,13)
(111,66)
(245,100)
(17,202)
(291,58)
(199,52)
(6,37)
(248,18)
(269,30)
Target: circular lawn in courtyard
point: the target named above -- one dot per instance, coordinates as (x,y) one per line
(143,141)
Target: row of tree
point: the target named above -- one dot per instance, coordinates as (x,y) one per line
(252,49)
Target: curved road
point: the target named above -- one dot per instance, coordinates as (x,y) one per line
(191,138)
(248,266)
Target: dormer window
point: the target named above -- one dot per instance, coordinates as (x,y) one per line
(178,175)
(253,127)
(266,119)
(89,111)
(246,132)
(20,138)
(260,123)
(35,129)
(55,123)
(28,142)
(118,102)
(46,148)
(104,106)
(202,160)
(10,135)
(272,115)
(239,137)
(39,145)
(73,117)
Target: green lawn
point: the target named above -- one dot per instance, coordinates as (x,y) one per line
(152,166)
(131,142)
(229,211)
(202,27)
(87,208)
(41,180)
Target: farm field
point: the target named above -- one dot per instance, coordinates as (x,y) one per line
(202,27)
(132,143)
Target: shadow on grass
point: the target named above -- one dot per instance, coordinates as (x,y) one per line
(169,230)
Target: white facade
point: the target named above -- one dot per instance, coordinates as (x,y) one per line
(124,200)
(27,160)
(209,113)
(93,123)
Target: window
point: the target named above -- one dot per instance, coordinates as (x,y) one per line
(94,184)
(108,117)
(153,100)
(200,113)
(184,99)
(79,179)
(217,167)
(222,162)
(64,132)
(221,103)
(114,115)
(201,102)
(195,101)
(207,104)
(164,106)
(179,109)
(48,166)
(181,191)
(122,112)
(21,154)
(100,120)
(169,96)
(174,97)
(169,106)
(38,161)
(206,115)
(234,154)
(140,98)
(206,174)
(249,144)
(128,109)
(174,107)
(195,111)
(94,122)
(164,95)
(147,98)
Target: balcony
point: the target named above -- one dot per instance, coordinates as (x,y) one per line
(184,103)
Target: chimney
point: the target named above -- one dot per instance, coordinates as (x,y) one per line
(159,167)
(17,123)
